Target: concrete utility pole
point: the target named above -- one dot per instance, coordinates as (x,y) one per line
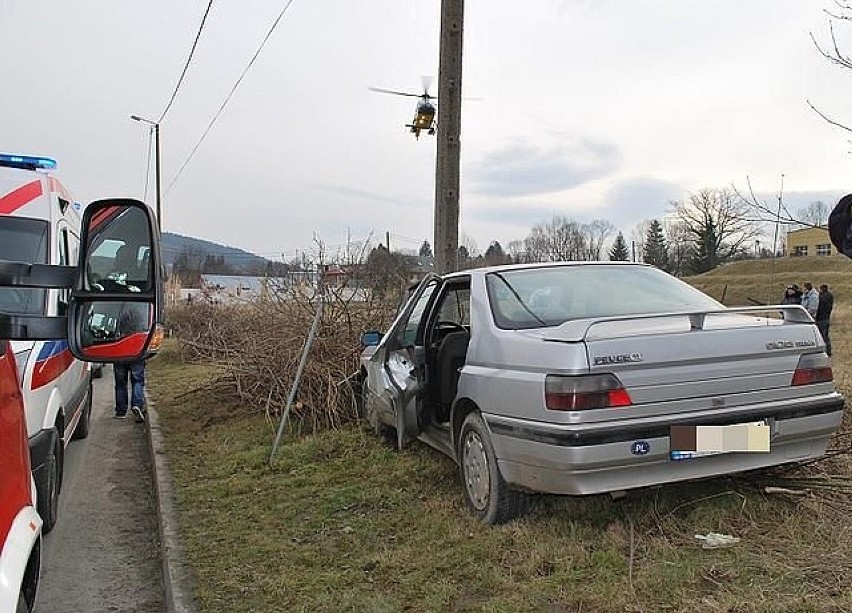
(449,147)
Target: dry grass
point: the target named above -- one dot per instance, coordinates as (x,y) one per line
(342,523)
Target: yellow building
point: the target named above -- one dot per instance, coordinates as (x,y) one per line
(809,241)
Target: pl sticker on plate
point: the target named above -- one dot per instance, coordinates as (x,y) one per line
(640,448)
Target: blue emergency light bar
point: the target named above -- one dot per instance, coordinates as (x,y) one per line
(27,162)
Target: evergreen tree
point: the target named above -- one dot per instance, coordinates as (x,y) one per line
(655,251)
(706,254)
(619,252)
(494,254)
(425,250)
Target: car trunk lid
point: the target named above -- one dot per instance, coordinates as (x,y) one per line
(683,362)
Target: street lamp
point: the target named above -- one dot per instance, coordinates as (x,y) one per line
(156,127)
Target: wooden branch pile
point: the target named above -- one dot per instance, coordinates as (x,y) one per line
(258,345)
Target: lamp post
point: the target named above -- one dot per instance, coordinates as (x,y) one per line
(156,127)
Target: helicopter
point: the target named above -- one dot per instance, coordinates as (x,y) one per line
(424,113)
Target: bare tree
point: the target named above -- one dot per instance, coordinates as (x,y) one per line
(597,232)
(814,214)
(719,223)
(516,251)
(637,239)
(469,243)
(841,13)
(559,239)
(680,244)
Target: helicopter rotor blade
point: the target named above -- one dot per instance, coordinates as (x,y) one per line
(396,93)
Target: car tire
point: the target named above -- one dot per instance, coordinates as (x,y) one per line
(48,489)
(85,423)
(486,492)
(22,604)
(97,371)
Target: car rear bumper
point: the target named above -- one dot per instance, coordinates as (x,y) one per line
(562,460)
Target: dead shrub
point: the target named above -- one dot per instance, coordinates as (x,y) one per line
(258,346)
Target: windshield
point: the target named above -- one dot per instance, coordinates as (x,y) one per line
(543,297)
(23,240)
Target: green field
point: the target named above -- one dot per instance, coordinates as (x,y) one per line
(341,522)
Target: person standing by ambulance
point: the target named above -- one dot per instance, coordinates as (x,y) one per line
(130,321)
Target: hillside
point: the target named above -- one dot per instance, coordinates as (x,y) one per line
(173,245)
(741,283)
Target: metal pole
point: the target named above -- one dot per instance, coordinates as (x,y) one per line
(297,379)
(159,193)
(448,145)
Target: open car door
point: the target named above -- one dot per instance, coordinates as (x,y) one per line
(402,354)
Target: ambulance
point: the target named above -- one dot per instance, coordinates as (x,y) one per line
(20,525)
(40,223)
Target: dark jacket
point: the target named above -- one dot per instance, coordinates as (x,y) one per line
(826,304)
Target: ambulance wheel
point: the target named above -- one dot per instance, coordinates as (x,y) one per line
(48,489)
(22,604)
(83,426)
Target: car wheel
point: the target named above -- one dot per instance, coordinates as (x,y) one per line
(48,489)
(486,492)
(97,371)
(83,426)
(22,604)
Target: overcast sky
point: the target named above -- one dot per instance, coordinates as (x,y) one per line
(590,109)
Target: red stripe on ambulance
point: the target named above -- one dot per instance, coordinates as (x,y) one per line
(15,199)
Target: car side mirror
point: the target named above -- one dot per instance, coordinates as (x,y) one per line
(116,305)
(371,338)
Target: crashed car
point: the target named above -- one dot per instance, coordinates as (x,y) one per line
(595,377)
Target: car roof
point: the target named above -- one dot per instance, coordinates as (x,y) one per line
(531,266)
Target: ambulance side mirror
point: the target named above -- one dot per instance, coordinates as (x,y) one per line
(115,310)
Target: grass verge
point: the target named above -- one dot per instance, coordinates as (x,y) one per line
(341,522)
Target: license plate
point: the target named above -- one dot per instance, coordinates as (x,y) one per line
(688,442)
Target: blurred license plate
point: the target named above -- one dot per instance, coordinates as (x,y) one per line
(688,442)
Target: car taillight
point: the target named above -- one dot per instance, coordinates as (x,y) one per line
(580,393)
(813,368)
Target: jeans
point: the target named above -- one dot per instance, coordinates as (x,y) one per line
(136,372)
(823,326)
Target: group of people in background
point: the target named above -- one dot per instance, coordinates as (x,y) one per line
(818,303)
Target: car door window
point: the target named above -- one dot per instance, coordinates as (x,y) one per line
(456,306)
(408,334)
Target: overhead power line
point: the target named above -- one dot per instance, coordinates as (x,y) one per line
(188,61)
(230,94)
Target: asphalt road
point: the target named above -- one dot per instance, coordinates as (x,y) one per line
(104,553)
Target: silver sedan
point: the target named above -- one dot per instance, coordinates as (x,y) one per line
(593,377)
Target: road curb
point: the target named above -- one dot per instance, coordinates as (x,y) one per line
(177,577)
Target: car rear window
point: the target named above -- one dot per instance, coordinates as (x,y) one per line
(23,240)
(543,297)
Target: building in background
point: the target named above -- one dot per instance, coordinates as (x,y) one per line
(809,241)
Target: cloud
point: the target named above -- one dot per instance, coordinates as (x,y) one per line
(794,201)
(512,214)
(363,194)
(522,169)
(637,198)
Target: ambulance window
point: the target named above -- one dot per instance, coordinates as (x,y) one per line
(23,240)
(64,259)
